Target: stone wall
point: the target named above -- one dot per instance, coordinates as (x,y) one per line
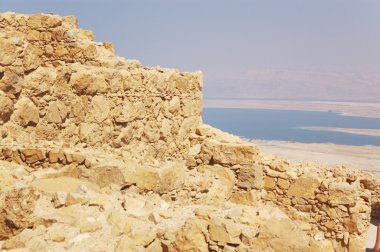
(331,200)
(56,84)
(74,117)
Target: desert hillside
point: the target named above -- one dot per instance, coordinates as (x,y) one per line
(99,153)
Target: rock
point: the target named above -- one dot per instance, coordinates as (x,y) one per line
(126,244)
(88,83)
(62,184)
(224,231)
(121,161)
(99,108)
(356,244)
(33,155)
(10,83)
(283,183)
(88,225)
(228,153)
(163,180)
(32,58)
(105,175)
(8,51)
(56,112)
(16,211)
(341,193)
(26,113)
(6,108)
(191,237)
(304,186)
(250,177)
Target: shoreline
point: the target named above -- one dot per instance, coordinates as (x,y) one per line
(357,109)
(353,131)
(364,158)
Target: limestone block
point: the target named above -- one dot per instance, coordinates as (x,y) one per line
(56,112)
(26,113)
(174,105)
(40,81)
(8,51)
(88,225)
(51,21)
(191,107)
(33,155)
(250,177)
(88,83)
(35,21)
(105,175)
(131,111)
(283,183)
(10,83)
(229,153)
(269,183)
(305,186)
(126,244)
(33,35)
(356,243)
(162,180)
(151,132)
(342,193)
(62,184)
(224,231)
(99,109)
(191,236)
(6,108)
(243,197)
(32,57)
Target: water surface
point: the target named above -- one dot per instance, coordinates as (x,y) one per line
(284,125)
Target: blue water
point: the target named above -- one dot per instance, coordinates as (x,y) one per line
(284,125)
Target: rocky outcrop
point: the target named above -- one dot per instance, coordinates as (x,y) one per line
(100,153)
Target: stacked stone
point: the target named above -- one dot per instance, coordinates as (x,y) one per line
(57,84)
(98,152)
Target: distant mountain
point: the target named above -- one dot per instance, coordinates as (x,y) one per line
(297,84)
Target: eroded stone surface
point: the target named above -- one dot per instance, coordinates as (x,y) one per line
(100,153)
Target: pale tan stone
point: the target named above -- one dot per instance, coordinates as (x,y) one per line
(8,51)
(269,183)
(88,83)
(342,193)
(6,108)
(304,186)
(32,57)
(191,237)
(26,112)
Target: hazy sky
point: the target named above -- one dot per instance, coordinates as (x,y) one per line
(234,41)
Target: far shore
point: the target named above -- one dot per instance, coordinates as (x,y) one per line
(360,109)
(366,132)
(364,158)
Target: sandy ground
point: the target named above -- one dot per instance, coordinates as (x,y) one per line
(367,132)
(361,109)
(361,157)
(365,158)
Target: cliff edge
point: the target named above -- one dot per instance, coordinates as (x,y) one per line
(99,153)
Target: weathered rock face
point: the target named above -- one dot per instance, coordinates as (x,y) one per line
(57,84)
(101,154)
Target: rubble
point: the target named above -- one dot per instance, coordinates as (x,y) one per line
(99,153)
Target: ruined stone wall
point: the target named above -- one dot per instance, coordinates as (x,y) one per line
(71,110)
(56,84)
(332,200)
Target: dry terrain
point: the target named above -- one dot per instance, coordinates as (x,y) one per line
(365,158)
(99,153)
